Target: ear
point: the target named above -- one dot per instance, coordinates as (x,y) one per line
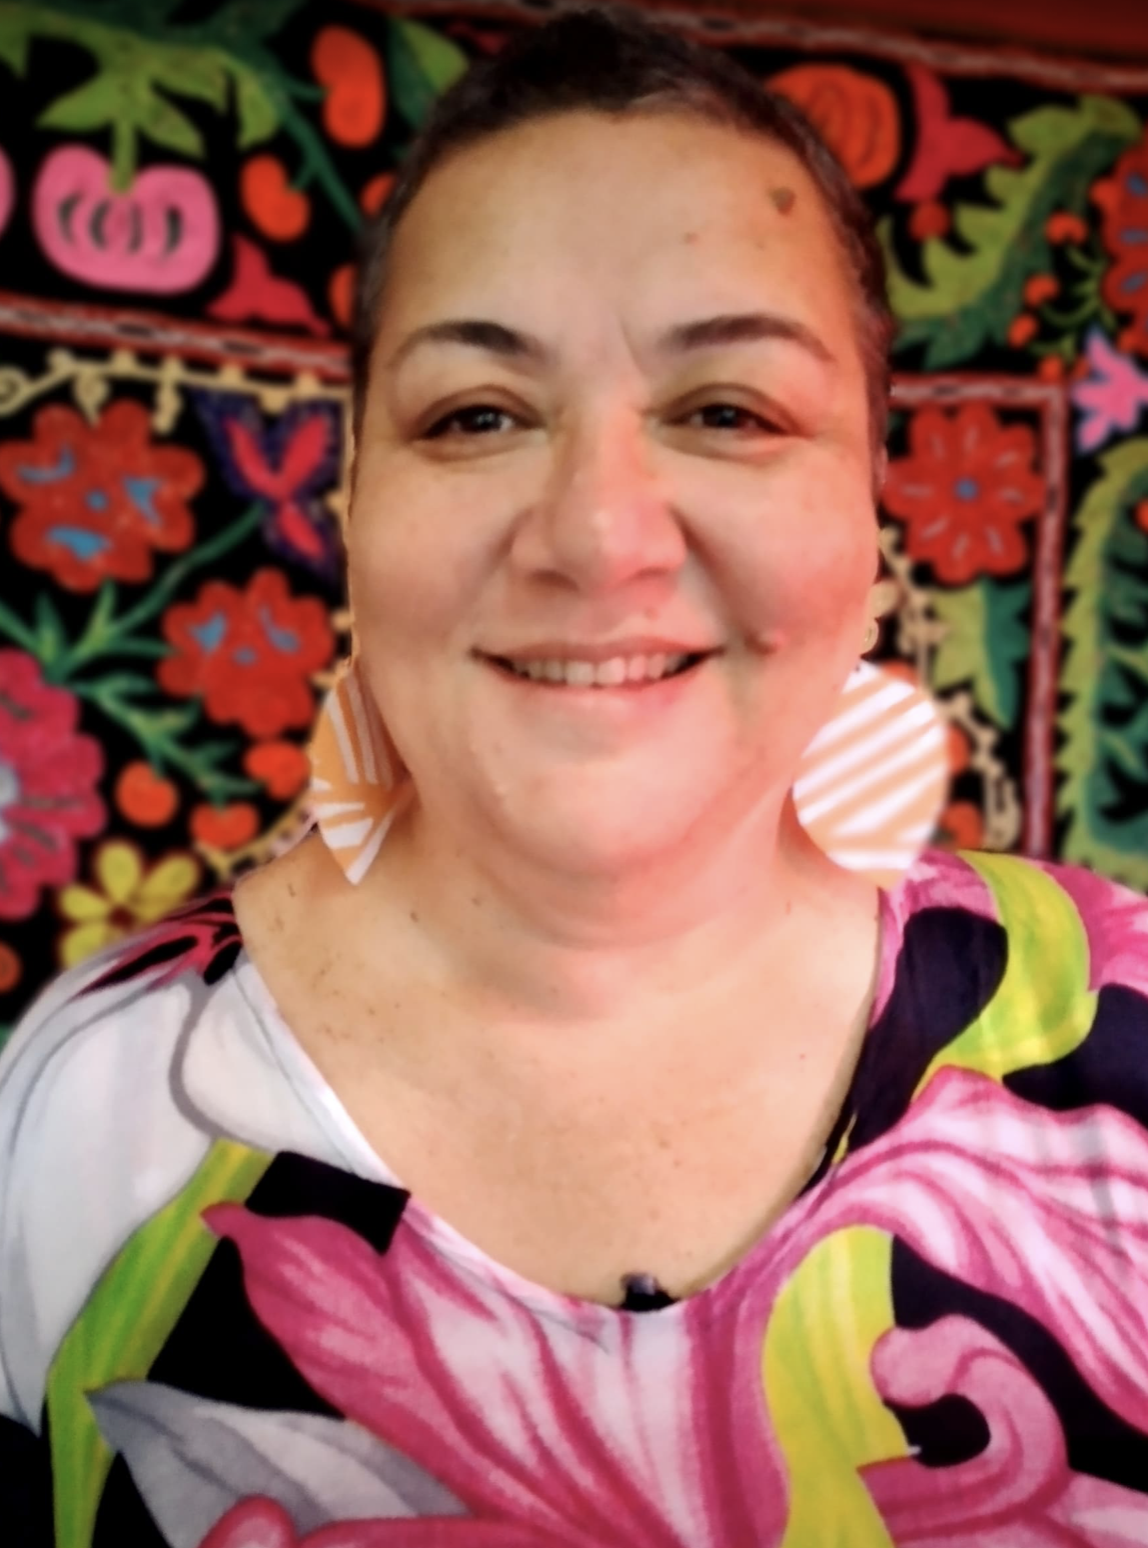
(883,597)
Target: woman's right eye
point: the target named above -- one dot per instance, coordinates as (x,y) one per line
(476,419)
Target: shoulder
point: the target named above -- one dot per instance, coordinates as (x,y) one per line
(93,1138)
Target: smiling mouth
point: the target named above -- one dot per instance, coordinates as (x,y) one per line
(628,672)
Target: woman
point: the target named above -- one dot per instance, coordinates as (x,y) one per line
(604,1166)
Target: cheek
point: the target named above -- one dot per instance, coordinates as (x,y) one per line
(407,569)
(799,554)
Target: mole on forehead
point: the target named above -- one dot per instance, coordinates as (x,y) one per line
(783,199)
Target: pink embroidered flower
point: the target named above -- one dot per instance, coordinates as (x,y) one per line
(1110,397)
(550,1430)
(48,778)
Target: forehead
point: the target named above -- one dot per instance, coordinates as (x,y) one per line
(644,214)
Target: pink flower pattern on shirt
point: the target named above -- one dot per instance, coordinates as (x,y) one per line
(581,1448)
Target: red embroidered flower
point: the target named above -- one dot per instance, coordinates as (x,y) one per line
(964,491)
(249,653)
(48,776)
(1123,202)
(95,500)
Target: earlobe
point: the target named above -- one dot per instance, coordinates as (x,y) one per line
(883,596)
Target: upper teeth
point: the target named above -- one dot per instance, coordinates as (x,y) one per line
(600,674)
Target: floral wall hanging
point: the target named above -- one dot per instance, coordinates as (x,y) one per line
(181,184)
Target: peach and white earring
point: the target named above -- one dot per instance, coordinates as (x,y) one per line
(358,781)
(873,781)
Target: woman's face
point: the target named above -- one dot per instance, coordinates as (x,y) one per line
(617,417)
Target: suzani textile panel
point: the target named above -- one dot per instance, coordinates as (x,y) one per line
(181,184)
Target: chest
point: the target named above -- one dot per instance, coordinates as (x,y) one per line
(576,1185)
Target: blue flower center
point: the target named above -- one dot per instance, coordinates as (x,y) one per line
(210,632)
(966,488)
(81,543)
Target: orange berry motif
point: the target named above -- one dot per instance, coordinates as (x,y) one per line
(959,749)
(282,767)
(280,211)
(356,100)
(1063,226)
(1022,329)
(341,293)
(145,797)
(376,193)
(963,825)
(1040,288)
(224,827)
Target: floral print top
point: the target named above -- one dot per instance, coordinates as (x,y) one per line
(223,1324)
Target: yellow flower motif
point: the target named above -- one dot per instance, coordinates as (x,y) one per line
(128,896)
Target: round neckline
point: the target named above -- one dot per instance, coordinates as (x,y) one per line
(319,1097)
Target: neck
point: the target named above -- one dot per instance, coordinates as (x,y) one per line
(586,948)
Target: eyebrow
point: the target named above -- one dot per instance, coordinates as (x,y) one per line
(744,328)
(494,338)
(480,333)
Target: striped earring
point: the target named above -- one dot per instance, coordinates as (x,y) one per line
(873,782)
(358,781)
(869,789)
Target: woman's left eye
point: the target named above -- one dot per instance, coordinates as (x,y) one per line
(729,416)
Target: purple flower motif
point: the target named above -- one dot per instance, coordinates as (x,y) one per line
(1110,397)
(289,463)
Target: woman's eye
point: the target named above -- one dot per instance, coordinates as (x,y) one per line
(479,419)
(729,416)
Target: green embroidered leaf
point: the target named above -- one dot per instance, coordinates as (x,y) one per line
(125,1323)
(15,35)
(256,111)
(984,644)
(156,118)
(161,732)
(51,638)
(421,65)
(1104,724)
(142,58)
(90,106)
(970,298)
(197,73)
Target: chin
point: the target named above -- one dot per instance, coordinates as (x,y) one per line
(617,830)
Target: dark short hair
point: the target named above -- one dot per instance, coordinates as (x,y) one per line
(615,62)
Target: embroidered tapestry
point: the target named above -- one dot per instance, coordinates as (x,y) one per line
(181,184)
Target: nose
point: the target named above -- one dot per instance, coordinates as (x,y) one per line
(604,518)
